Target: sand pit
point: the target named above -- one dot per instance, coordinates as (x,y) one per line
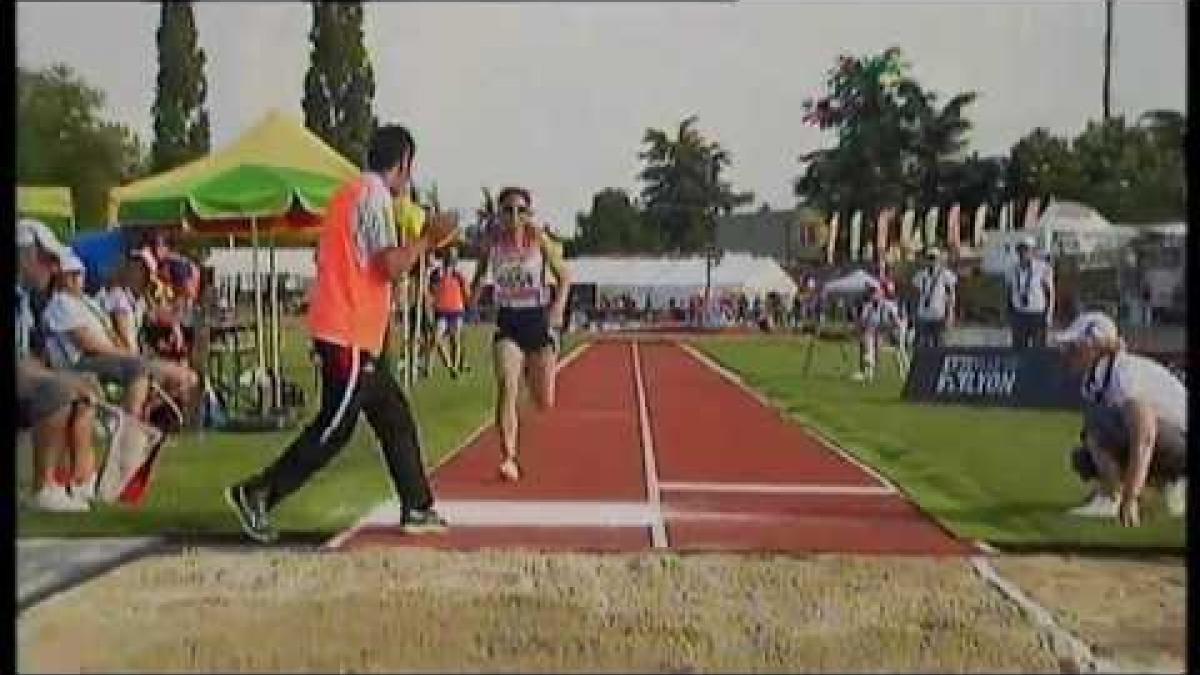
(1132,610)
(392,610)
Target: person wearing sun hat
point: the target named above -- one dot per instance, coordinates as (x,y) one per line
(1134,422)
(1029,287)
(54,405)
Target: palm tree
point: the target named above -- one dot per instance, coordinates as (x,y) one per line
(938,137)
(683,191)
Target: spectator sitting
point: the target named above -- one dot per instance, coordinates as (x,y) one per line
(123,298)
(81,337)
(54,406)
(1134,422)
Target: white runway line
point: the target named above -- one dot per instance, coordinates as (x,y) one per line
(765,488)
(561,513)
(658,528)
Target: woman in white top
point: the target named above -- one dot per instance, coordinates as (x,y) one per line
(530,312)
(123,299)
(81,336)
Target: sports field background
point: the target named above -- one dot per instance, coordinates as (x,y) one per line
(992,474)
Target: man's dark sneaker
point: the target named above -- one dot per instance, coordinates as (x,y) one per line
(422,521)
(251,509)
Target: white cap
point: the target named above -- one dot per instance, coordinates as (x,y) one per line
(70,262)
(1027,241)
(1087,328)
(933,252)
(32,232)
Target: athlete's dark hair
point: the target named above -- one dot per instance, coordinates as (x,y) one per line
(390,147)
(508,191)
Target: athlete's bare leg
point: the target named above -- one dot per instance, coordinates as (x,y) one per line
(509,362)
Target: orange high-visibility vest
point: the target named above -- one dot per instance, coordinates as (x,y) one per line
(350,302)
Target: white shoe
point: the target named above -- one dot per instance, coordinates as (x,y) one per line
(85,491)
(55,498)
(1100,505)
(1175,496)
(859,377)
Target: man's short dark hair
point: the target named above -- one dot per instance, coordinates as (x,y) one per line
(391,146)
(509,191)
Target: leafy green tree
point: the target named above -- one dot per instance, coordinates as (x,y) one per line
(1130,174)
(62,141)
(181,126)
(683,191)
(339,88)
(874,107)
(614,225)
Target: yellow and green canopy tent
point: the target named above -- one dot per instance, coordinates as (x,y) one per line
(51,205)
(277,173)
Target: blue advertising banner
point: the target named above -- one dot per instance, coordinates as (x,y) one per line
(992,376)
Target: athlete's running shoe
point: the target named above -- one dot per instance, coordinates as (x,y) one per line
(251,509)
(422,521)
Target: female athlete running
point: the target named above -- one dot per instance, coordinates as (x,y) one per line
(527,319)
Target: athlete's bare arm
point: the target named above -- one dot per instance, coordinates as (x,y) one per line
(558,267)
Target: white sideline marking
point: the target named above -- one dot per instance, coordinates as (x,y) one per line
(342,537)
(736,381)
(658,528)
(763,488)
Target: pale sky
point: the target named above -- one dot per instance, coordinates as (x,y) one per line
(556,96)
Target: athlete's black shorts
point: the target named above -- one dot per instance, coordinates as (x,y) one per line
(528,327)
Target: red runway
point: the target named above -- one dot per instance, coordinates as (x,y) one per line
(648,447)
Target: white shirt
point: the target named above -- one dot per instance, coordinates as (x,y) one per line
(374,226)
(1139,378)
(64,313)
(935,286)
(1027,286)
(121,300)
(881,314)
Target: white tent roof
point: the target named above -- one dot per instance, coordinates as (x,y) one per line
(680,277)
(297,263)
(659,277)
(854,283)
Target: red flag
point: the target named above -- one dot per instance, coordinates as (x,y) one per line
(881,230)
(952,228)
(1032,211)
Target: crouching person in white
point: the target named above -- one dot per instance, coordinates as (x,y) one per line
(1134,422)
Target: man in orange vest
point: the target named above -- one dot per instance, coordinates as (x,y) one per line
(357,261)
